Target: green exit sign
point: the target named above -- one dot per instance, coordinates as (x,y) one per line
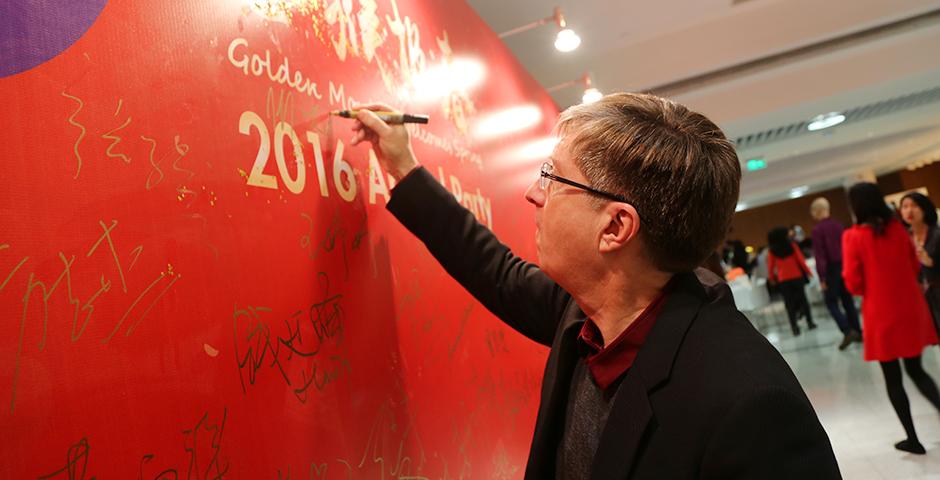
(756,164)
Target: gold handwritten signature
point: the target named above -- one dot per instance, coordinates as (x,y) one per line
(36,285)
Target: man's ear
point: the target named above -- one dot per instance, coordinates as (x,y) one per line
(623,225)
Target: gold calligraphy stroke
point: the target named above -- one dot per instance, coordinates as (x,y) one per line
(115,140)
(15,269)
(182,149)
(137,300)
(81,135)
(107,236)
(156,165)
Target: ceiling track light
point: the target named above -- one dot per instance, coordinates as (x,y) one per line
(591,94)
(797,192)
(565,41)
(825,120)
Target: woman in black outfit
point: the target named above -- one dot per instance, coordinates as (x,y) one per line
(920,214)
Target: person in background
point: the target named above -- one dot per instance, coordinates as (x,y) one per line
(919,212)
(786,268)
(738,255)
(760,264)
(798,236)
(827,249)
(881,265)
(796,233)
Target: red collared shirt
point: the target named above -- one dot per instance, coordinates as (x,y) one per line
(609,363)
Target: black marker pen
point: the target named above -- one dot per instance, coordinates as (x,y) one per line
(387,117)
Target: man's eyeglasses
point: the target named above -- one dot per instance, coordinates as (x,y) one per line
(547,176)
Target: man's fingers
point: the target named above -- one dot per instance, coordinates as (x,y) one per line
(375,107)
(356,139)
(362,136)
(373,122)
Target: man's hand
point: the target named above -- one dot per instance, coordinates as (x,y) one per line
(822,285)
(390,142)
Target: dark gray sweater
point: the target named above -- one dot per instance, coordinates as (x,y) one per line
(585,417)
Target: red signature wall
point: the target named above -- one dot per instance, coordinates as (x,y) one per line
(198,278)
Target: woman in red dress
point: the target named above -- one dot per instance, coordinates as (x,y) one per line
(880,264)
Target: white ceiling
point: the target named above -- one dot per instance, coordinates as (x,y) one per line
(755,65)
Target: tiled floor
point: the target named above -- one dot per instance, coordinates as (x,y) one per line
(850,399)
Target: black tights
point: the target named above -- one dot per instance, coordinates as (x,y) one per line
(898,396)
(794,298)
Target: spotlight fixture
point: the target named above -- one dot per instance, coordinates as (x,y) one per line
(591,94)
(565,41)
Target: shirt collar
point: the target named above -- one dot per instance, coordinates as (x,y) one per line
(610,362)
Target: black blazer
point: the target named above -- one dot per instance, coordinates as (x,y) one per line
(707,397)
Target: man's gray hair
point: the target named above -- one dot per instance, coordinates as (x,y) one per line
(819,206)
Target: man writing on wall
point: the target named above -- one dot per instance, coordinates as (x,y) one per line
(652,373)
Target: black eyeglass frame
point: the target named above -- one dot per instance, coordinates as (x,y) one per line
(543,173)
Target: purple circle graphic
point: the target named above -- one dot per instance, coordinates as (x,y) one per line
(34,31)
